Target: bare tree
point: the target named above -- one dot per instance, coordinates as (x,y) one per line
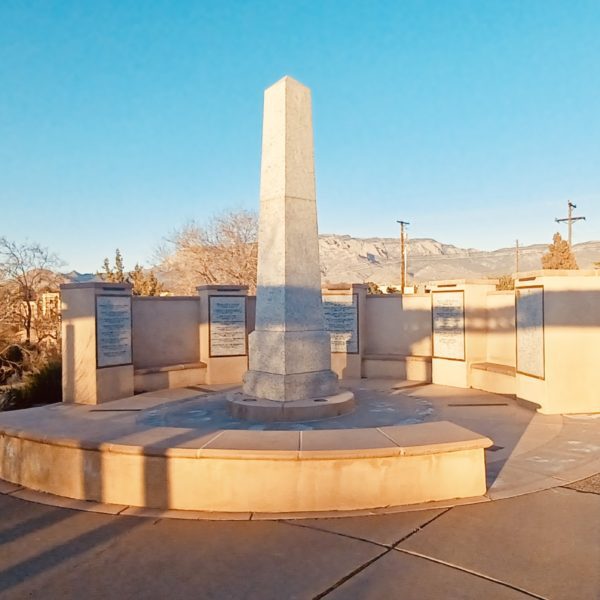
(46,318)
(26,271)
(222,252)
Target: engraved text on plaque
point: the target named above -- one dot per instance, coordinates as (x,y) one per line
(448,325)
(113,331)
(530,331)
(227,316)
(341,320)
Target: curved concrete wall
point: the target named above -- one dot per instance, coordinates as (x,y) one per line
(167,333)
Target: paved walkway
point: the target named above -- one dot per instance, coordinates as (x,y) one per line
(544,544)
(541,545)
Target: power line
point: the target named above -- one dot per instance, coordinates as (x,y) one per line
(570,220)
(403,252)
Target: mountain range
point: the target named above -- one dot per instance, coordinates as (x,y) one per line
(350,259)
(345,258)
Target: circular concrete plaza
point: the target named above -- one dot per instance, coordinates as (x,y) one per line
(530,451)
(533,535)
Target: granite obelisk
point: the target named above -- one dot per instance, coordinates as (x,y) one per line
(289,350)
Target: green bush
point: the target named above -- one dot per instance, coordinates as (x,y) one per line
(44,386)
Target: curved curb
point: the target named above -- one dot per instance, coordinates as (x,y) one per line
(229,471)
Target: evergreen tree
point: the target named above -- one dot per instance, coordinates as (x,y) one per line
(115,274)
(559,255)
(143,284)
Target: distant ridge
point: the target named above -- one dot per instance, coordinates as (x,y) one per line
(348,259)
(77,277)
(345,258)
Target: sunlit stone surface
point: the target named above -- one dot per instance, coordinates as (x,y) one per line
(290,348)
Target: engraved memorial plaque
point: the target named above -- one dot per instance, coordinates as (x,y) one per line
(341,320)
(448,325)
(530,331)
(113,331)
(227,327)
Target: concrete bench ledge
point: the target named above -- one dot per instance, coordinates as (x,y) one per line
(397,366)
(398,357)
(399,440)
(150,379)
(168,368)
(493,377)
(495,368)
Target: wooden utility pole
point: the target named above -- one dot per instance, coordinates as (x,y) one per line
(517,257)
(403,252)
(570,220)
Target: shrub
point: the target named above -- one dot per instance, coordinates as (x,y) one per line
(12,362)
(373,288)
(10,397)
(506,282)
(43,386)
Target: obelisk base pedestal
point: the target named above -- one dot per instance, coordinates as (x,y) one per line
(249,408)
(290,387)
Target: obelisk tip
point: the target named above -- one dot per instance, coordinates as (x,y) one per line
(287,81)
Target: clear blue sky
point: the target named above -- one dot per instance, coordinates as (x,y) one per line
(120,120)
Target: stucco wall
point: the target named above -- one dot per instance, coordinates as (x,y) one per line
(398,324)
(165,331)
(501,341)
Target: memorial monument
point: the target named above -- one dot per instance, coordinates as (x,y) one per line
(180,441)
(290,348)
